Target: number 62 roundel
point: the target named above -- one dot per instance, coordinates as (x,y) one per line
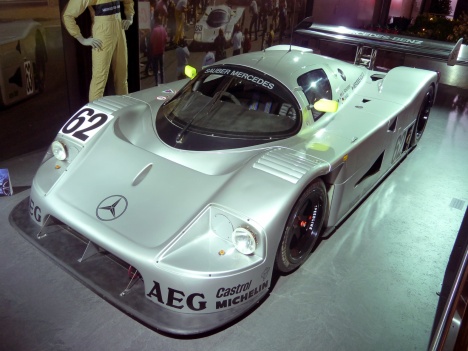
(85,124)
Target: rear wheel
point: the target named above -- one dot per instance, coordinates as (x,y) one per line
(302,228)
(423,116)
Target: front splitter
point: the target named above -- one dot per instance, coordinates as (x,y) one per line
(108,279)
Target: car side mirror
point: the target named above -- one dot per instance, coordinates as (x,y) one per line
(190,71)
(325,105)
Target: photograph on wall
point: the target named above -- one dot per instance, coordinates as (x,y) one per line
(33,82)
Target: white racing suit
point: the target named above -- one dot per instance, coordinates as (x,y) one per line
(107,26)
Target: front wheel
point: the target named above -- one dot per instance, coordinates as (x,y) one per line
(302,228)
(423,116)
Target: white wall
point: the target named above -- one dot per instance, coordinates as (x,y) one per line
(357,13)
(339,12)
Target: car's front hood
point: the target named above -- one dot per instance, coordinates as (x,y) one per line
(10,32)
(138,194)
(209,34)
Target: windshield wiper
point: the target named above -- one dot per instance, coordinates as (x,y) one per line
(210,103)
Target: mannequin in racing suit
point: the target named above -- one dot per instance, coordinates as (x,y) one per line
(107,40)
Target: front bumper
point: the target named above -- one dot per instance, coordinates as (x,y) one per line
(107,277)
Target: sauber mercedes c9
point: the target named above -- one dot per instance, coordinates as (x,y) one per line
(177,203)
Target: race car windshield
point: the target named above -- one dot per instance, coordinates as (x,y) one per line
(233,103)
(217,18)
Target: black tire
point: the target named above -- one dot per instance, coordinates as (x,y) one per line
(303,227)
(423,116)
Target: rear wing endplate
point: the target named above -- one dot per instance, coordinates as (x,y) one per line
(368,43)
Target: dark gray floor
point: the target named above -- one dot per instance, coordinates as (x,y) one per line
(371,286)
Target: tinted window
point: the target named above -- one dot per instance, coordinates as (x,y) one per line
(316,86)
(217,18)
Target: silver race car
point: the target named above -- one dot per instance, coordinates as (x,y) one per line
(216,17)
(23,57)
(177,203)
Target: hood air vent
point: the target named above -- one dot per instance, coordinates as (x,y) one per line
(287,164)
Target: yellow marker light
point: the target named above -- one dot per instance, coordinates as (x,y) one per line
(57,167)
(221,252)
(345,158)
(319,146)
(190,71)
(324,105)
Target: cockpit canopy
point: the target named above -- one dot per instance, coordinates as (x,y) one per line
(236,103)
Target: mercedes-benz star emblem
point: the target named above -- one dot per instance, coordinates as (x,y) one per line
(111,208)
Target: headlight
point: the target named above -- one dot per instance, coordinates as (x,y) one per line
(59,150)
(244,241)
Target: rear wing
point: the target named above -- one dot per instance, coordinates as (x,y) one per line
(368,43)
